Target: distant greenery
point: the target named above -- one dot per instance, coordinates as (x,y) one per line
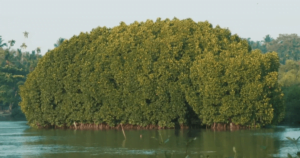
(288,49)
(261,45)
(14,67)
(287,46)
(59,42)
(292,100)
(161,73)
(289,74)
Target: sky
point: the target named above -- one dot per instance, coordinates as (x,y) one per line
(48,20)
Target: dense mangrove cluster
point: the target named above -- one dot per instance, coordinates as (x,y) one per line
(164,73)
(287,46)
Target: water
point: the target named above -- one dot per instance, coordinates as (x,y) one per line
(17,139)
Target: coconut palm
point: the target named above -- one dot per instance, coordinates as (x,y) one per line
(26,34)
(8,57)
(2,44)
(2,54)
(268,39)
(38,50)
(23,46)
(59,42)
(11,43)
(19,55)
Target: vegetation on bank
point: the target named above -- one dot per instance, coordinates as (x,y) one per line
(160,73)
(15,65)
(287,46)
(289,78)
(288,49)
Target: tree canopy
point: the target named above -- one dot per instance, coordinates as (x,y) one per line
(287,47)
(160,73)
(14,67)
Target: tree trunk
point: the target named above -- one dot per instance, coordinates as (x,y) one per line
(10,107)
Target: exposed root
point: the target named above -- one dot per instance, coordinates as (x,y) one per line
(104,126)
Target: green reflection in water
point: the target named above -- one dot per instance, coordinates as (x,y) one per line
(18,140)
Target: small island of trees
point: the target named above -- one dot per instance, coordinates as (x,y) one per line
(165,73)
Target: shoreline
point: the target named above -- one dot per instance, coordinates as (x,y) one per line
(8,117)
(104,126)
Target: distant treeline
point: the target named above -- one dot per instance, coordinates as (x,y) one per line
(15,65)
(160,73)
(288,49)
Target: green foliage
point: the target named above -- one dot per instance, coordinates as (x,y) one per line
(261,45)
(59,42)
(289,74)
(153,73)
(2,44)
(14,66)
(287,47)
(238,86)
(289,79)
(292,100)
(17,113)
(11,43)
(11,76)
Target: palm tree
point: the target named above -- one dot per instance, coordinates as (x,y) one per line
(9,57)
(11,43)
(59,42)
(2,55)
(26,34)
(23,46)
(38,50)
(2,44)
(267,39)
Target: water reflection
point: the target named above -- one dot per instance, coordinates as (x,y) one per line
(18,140)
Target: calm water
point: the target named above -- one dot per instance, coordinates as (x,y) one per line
(19,140)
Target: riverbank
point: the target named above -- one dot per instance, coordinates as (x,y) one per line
(8,116)
(4,115)
(104,126)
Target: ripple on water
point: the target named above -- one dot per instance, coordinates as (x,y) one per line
(19,140)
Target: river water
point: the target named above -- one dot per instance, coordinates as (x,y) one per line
(17,139)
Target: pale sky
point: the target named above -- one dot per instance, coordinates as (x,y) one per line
(48,20)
